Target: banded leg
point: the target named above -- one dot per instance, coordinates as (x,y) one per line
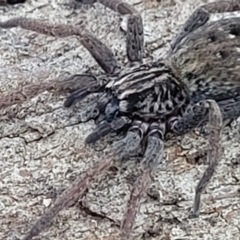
(135,34)
(104,128)
(194,117)
(197,115)
(132,141)
(100,52)
(230,108)
(201,16)
(89,84)
(151,159)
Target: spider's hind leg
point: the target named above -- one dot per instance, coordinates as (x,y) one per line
(198,114)
(215,125)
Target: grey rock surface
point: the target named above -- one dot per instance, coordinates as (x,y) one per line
(42,144)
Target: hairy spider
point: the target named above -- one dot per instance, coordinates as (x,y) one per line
(198,83)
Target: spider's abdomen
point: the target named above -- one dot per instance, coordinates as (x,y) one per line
(207,60)
(150,91)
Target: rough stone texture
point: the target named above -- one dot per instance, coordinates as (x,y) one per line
(42,144)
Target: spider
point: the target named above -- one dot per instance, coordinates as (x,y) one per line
(198,83)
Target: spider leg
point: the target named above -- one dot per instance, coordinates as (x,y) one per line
(100,52)
(135,32)
(85,82)
(215,125)
(77,188)
(194,117)
(230,108)
(131,141)
(77,95)
(151,159)
(201,16)
(105,128)
(71,194)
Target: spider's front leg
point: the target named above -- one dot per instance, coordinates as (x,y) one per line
(152,158)
(85,82)
(104,128)
(206,110)
(79,85)
(201,16)
(101,53)
(135,34)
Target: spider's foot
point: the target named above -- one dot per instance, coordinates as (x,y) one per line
(193,215)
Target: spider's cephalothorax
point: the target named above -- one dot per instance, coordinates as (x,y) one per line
(148,93)
(197,83)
